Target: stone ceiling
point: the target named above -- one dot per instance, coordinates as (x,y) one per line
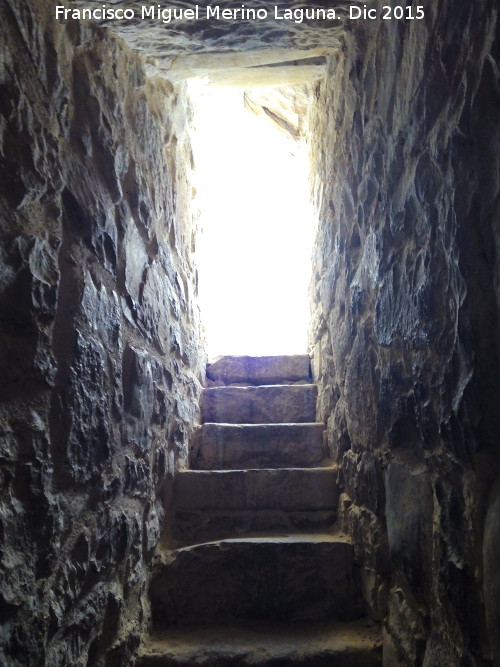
(242,52)
(273,59)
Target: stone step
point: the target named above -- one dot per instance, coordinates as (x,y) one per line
(287,489)
(320,644)
(240,446)
(191,526)
(267,404)
(214,504)
(260,370)
(299,577)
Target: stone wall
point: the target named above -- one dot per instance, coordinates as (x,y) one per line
(405,328)
(100,363)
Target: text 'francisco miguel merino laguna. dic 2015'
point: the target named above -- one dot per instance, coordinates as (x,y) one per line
(206,12)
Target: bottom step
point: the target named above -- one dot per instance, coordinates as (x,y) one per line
(322,644)
(281,578)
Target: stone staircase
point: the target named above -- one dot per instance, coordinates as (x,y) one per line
(259,575)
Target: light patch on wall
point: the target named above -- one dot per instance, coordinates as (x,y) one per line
(254,250)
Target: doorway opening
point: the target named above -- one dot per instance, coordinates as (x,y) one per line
(256,222)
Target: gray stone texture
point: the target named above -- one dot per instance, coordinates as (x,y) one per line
(259,405)
(255,479)
(259,370)
(100,364)
(290,489)
(256,52)
(237,446)
(278,578)
(301,644)
(491,555)
(194,525)
(405,323)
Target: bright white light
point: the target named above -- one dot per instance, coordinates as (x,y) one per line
(254,252)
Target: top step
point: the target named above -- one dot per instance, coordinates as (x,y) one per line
(260,370)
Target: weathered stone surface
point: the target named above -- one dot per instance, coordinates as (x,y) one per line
(296,577)
(436,653)
(363,479)
(291,489)
(87,407)
(491,555)
(368,534)
(94,282)
(259,405)
(266,67)
(192,526)
(323,644)
(407,619)
(97,268)
(409,515)
(237,446)
(405,299)
(259,370)
(216,506)
(219,46)
(285,107)
(28,293)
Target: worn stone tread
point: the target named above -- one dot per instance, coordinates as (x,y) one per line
(191,526)
(333,537)
(260,370)
(280,488)
(245,446)
(285,577)
(319,644)
(265,404)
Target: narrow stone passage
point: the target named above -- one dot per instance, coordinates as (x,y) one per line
(260,574)
(103,353)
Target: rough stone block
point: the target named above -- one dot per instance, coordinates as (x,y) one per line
(491,552)
(406,624)
(259,405)
(282,578)
(260,370)
(364,480)
(286,489)
(351,644)
(138,396)
(227,446)
(87,404)
(194,526)
(369,534)
(409,512)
